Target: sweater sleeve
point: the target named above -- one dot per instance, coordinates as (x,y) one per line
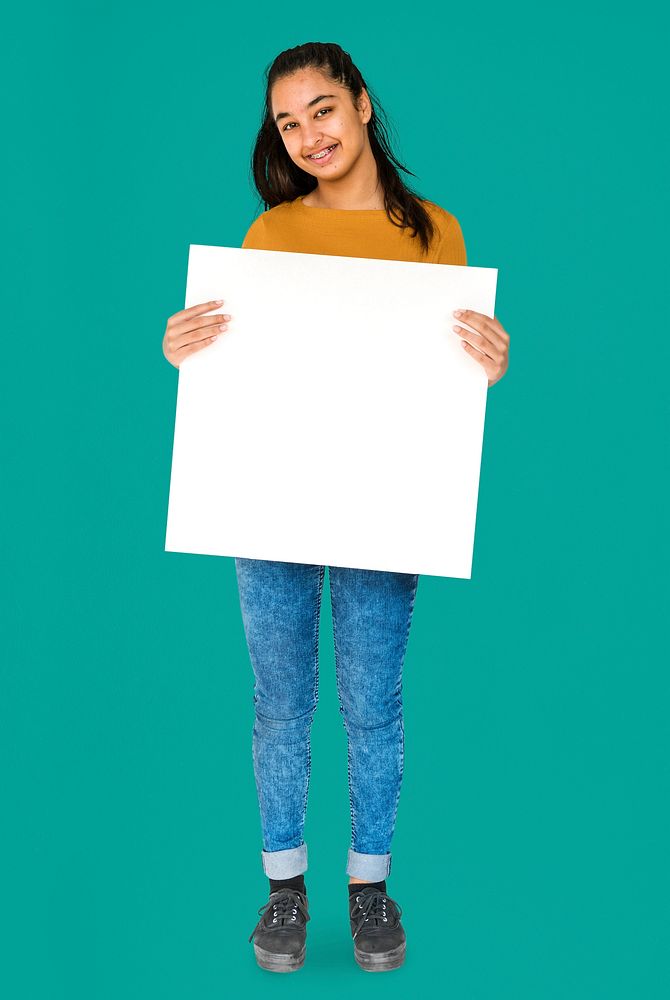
(451,249)
(254,240)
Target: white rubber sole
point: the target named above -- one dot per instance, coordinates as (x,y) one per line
(279,963)
(384,961)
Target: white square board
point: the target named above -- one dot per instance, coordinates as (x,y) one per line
(338,421)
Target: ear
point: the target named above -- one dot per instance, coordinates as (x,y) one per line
(365,107)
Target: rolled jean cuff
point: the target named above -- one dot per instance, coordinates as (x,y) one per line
(371,867)
(285,864)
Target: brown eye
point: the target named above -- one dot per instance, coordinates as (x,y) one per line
(316,115)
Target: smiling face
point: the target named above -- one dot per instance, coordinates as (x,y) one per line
(312,113)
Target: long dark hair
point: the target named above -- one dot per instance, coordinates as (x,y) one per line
(278,179)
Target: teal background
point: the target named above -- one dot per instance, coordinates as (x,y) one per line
(530,854)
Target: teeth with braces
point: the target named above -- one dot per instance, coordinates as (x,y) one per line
(324,152)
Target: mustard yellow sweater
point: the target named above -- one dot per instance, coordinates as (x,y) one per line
(299,228)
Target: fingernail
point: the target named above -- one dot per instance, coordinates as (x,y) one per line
(219,302)
(458,312)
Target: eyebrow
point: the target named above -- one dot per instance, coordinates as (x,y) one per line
(322,97)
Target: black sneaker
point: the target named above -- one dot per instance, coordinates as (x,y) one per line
(378,935)
(281,932)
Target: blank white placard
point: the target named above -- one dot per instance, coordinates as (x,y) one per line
(338,421)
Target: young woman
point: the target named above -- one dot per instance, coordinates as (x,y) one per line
(328,179)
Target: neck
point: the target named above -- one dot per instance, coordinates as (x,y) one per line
(359,189)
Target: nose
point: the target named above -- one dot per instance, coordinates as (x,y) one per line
(313,140)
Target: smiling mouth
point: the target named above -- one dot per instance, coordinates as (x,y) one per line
(322,154)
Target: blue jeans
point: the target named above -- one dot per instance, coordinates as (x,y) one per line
(372,614)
